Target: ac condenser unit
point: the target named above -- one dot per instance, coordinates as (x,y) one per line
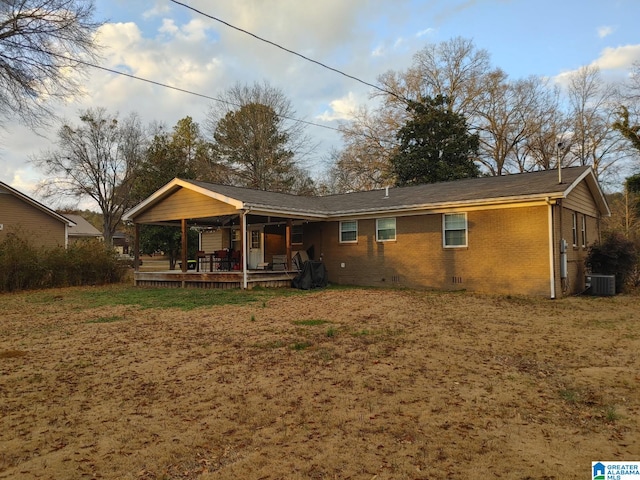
(601,284)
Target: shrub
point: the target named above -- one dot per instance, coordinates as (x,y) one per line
(23,266)
(616,255)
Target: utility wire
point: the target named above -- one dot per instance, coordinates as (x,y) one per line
(288,50)
(164,85)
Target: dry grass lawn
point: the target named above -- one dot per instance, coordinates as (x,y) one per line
(332,384)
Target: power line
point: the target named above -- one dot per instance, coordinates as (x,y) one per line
(288,50)
(164,85)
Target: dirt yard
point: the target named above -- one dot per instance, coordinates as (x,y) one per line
(334,384)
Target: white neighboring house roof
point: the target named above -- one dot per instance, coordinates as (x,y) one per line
(82,228)
(36,204)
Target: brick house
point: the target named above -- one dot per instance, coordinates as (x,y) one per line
(22,215)
(502,234)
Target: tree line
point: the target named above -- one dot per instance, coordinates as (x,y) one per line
(451,114)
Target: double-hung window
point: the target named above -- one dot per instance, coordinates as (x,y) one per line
(454,230)
(385,229)
(349,231)
(584,231)
(574,228)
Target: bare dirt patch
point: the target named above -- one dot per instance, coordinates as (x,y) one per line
(354,383)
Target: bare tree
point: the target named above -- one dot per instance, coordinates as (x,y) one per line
(43,44)
(96,160)
(541,150)
(515,120)
(593,103)
(370,141)
(455,69)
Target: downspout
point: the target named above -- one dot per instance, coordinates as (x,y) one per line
(552,277)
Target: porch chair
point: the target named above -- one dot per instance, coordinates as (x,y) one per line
(200,256)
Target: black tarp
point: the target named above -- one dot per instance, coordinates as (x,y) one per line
(312,275)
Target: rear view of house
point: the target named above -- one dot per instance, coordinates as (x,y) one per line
(518,234)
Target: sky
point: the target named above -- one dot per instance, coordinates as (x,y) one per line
(170,44)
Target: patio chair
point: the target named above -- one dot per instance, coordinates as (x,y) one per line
(200,256)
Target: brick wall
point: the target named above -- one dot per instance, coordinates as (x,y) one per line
(507,252)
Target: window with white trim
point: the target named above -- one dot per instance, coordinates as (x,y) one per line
(454,230)
(574,228)
(584,231)
(349,231)
(385,229)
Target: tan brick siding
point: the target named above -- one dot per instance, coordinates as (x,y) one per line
(576,255)
(507,253)
(41,229)
(581,203)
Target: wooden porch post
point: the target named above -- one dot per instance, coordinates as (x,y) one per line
(184,245)
(288,242)
(136,247)
(243,236)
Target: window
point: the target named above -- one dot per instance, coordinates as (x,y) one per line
(349,231)
(454,229)
(574,228)
(296,234)
(255,239)
(584,231)
(385,229)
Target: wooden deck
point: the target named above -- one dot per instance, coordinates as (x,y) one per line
(216,279)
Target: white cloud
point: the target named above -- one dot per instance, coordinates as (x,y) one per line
(159,9)
(169,27)
(379,51)
(340,109)
(618,57)
(425,32)
(605,31)
(613,62)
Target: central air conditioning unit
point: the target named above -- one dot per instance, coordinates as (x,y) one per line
(601,284)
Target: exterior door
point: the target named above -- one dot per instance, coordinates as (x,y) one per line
(255,243)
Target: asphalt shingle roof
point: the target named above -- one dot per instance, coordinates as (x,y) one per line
(474,190)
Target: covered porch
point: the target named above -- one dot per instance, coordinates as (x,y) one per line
(239,246)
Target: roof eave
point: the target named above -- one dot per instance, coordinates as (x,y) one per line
(460,204)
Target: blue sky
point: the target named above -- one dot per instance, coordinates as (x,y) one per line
(164,42)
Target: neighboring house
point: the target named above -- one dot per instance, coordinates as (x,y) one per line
(24,216)
(121,242)
(492,234)
(82,230)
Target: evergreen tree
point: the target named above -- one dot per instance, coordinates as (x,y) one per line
(435,145)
